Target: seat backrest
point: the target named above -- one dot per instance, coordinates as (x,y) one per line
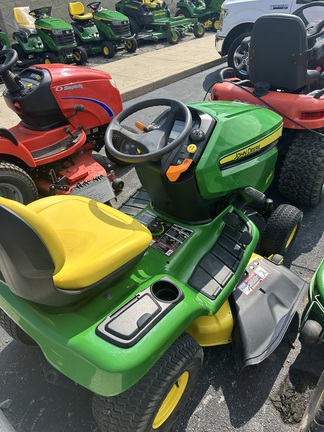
(22,17)
(76,8)
(278,52)
(30,253)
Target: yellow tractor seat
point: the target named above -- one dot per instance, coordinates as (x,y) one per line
(153,4)
(22,17)
(77,12)
(58,248)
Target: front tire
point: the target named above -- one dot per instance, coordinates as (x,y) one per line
(14,330)
(281,230)
(49,58)
(108,49)
(16,184)
(173,37)
(198,30)
(80,56)
(302,175)
(238,57)
(131,45)
(155,402)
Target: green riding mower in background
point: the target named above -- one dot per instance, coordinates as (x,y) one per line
(43,39)
(207,11)
(151,20)
(101,31)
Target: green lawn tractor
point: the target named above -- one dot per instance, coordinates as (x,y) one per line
(151,20)
(312,334)
(207,11)
(101,30)
(43,39)
(121,301)
(4,40)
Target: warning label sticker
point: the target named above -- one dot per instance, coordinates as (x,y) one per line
(253,280)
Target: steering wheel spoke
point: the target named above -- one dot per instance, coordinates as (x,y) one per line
(152,144)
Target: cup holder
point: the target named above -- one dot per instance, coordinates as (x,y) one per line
(165,291)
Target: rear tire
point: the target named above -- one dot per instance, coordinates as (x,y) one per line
(134,27)
(155,402)
(182,12)
(238,59)
(14,330)
(16,184)
(280,231)
(22,55)
(302,175)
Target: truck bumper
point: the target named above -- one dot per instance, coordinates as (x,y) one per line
(219,44)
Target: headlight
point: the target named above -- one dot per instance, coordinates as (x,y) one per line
(116,23)
(223,14)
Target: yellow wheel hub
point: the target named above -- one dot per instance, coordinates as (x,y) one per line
(171,401)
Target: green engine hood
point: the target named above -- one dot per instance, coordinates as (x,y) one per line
(49,23)
(110,15)
(241,150)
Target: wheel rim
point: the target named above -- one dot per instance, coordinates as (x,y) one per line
(77,56)
(47,61)
(291,237)
(174,37)
(129,45)
(171,401)
(9,191)
(106,50)
(241,60)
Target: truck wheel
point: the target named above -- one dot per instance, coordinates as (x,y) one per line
(22,55)
(238,58)
(198,30)
(154,403)
(16,184)
(280,230)
(182,12)
(14,331)
(80,55)
(49,58)
(108,49)
(173,37)
(302,175)
(131,45)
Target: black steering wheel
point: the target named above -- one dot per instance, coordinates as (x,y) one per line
(152,144)
(313,29)
(94,5)
(11,58)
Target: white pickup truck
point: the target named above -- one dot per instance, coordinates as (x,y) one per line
(238,16)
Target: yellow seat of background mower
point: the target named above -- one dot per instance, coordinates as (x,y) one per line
(87,240)
(76,11)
